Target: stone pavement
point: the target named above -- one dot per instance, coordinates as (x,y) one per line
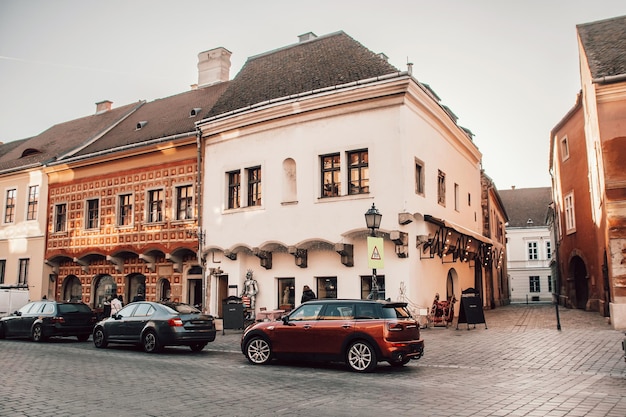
(517,363)
(520,365)
(514,336)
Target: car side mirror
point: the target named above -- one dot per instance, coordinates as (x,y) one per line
(285,320)
(17,313)
(117,317)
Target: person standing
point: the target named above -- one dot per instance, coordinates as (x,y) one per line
(116,305)
(307,294)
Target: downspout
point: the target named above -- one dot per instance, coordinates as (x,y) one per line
(200,233)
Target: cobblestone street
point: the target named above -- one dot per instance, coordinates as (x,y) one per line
(520,365)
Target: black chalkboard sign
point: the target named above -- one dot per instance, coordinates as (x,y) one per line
(471,310)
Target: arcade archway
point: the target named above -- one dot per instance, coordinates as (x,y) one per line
(578,271)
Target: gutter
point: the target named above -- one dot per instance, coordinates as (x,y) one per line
(609,79)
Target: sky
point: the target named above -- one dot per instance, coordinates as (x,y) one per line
(507,69)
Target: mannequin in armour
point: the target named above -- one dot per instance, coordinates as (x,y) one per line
(250,289)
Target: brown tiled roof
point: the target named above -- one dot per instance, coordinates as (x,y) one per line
(522,204)
(604,43)
(326,61)
(165,117)
(61,138)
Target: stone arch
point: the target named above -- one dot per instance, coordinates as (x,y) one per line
(71,289)
(136,287)
(580,282)
(452,285)
(164,289)
(104,286)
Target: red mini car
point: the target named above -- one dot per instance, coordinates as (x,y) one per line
(360,333)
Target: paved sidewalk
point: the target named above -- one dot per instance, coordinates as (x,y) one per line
(516,336)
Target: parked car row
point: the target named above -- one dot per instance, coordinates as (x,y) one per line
(152,325)
(360,333)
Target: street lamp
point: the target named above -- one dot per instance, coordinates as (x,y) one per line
(372,220)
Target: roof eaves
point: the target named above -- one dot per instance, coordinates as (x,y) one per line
(351,84)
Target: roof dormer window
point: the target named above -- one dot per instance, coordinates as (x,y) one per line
(29,152)
(141,125)
(195,111)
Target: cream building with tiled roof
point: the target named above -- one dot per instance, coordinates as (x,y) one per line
(529,244)
(303,142)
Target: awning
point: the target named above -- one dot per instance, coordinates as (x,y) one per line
(457,243)
(458,228)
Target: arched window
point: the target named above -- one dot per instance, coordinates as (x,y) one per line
(290,189)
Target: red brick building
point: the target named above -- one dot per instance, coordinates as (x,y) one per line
(588,149)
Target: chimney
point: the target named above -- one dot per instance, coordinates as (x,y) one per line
(103,106)
(309,36)
(213,66)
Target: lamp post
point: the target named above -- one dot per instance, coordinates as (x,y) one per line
(372,220)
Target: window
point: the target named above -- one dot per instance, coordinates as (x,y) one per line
(570,218)
(234,189)
(327,287)
(534,284)
(184,202)
(564,149)
(286,293)
(550,283)
(33,202)
(532,251)
(456,196)
(331,175)
(469,199)
(358,171)
(155,206)
(9,207)
(366,287)
(419,177)
(22,278)
(93,214)
(3,268)
(125,210)
(441,188)
(60,217)
(548,250)
(254,186)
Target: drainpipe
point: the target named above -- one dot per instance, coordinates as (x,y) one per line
(200,233)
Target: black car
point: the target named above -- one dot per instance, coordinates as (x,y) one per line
(155,325)
(40,320)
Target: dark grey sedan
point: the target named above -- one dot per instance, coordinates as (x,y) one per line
(155,325)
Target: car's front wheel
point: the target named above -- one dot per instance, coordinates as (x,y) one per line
(197,347)
(258,351)
(150,342)
(3,333)
(37,333)
(99,339)
(361,357)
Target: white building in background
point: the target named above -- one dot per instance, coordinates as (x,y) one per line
(529,244)
(302,143)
